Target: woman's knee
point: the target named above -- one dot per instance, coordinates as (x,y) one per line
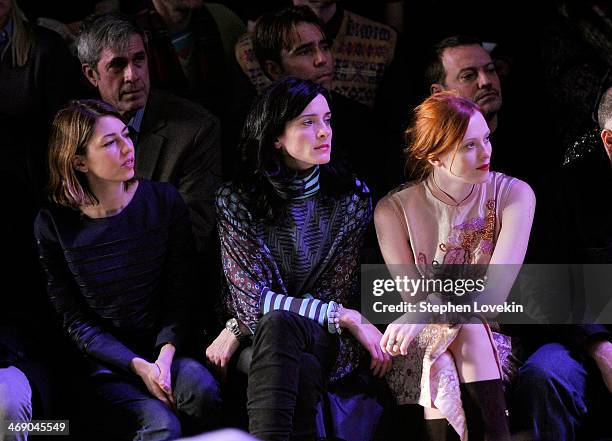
(281,328)
(276,321)
(472,336)
(474,354)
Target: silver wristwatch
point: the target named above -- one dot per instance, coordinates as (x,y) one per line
(232,326)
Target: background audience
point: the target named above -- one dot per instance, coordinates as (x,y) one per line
(183,75)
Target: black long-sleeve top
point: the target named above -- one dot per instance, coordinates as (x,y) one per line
(571,229)
(120,284)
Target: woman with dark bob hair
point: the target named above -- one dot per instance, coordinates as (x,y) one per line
(291,226)
(457,218)
(116,254)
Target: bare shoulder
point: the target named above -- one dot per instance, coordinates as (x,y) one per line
(389,219)
(386,210)
(392,231)
(521,192)
(393,205)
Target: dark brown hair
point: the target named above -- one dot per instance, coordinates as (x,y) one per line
(434,69)
(276,31)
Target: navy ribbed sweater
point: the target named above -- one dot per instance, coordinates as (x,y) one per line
(120,284)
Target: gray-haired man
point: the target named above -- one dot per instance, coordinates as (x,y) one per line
(176,141)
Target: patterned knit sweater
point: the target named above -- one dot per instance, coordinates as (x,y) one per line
(314,250)
(362,50)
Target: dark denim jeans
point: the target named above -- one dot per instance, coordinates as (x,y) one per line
(292,359)
(553,393)
(137,415)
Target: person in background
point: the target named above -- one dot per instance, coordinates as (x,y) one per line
(461,64)
(291,42)
(176,141)
(564,389)
(355,74)
(37,77)
(186,42)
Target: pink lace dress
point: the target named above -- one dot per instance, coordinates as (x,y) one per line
(445,234)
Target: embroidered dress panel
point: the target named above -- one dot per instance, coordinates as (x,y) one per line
(461,234)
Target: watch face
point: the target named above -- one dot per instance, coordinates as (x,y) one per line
(232,326)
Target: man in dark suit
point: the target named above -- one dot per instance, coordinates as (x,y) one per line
(564,389)
(176,141)
(461,64)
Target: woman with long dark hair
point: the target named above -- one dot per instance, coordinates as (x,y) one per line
(291,226)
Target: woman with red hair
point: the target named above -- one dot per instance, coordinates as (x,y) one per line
(456,212)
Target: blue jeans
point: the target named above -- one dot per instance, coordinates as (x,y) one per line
(552,394)
(137,415)
(15,400)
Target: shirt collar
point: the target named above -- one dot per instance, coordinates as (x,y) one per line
(135,122)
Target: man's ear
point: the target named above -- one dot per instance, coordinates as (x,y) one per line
(273,70)
(78,162)
(91,74)
(606,138)
(435,88)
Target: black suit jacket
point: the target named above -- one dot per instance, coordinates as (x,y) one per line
(179,143)
(573,226)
